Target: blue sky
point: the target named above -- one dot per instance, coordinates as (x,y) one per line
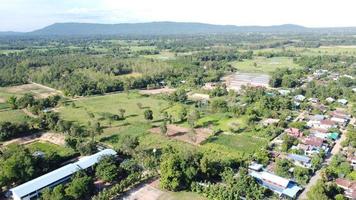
(27,15)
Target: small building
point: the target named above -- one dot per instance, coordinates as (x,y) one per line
(333,136)
(269,121)
(32,189)
(255,166)
(315,120)
(299,98)
(314,145)
(342,101)
(330,100)
(284,92)
(327,124)
(348,186)
(313,100)
(277,184)
(294,132)
(300,160)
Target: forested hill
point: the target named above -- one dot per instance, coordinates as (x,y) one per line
(170,28)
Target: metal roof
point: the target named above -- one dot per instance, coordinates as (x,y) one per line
(299,158)
(275,179)
(58,174)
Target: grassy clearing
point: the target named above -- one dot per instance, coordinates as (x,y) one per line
(244,143)
(163,55)
(221,121)
(20,90)
(263,65)
(181,196)
(49,148)
(99,108)
(13,116)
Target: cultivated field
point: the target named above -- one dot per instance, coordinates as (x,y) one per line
(263,65)
(238,79)
(37,90)
(12,115)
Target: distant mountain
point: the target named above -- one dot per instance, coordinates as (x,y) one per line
(169,28)
(157,28)
(6,33)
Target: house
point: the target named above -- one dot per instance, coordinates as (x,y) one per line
(321,107)
(315,120)
(319,132)
(209,86)
(330,100)
(320,72)
(348,186)
(327,124)
(313,100)
(342,101)
(340,114)
(32,189)
(282,186)
(340,121)
(333,136)
(352,160)
(314,145)
(294,132)
(299,98)
(300,160)
(284,92)
(255,166)
(269,121)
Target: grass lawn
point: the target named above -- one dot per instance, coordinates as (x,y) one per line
(49,148)
(181,196)
(12,115)
(221,121)
(263,65)
(243,142)
(104,106)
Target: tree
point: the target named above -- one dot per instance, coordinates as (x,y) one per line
(318,191)
(163,128)
(107,169)
(288,142)
(316,162)
(192,117)
(96,130)
(17,165)
(148,114)
(128,143)
(301,175)
(80,187)
(13,102)
(282,167)
(122,113)
(57,193)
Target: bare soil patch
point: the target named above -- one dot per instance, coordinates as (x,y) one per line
(40,91)
(184,134)
(55,138)
(165,90)
(2,100)
(198,97)
(148,191)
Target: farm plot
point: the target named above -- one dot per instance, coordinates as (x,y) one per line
(263,65)
(37,90)
(12,115)
(237,80)
(185,134)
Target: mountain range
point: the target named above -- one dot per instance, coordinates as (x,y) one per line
(168,28)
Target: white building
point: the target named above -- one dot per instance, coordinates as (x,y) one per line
(32,189)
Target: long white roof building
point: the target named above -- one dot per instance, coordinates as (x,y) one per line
(32,188)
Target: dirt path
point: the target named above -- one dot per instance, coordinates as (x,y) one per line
(336,149)
(55,138)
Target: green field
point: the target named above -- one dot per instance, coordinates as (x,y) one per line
(244,142)
(103,106)
(181,196)
(263,65)
(12,115)
(49,148)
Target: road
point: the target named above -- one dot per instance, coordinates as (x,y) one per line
(336,149)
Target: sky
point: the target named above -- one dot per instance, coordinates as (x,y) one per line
(28,15)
